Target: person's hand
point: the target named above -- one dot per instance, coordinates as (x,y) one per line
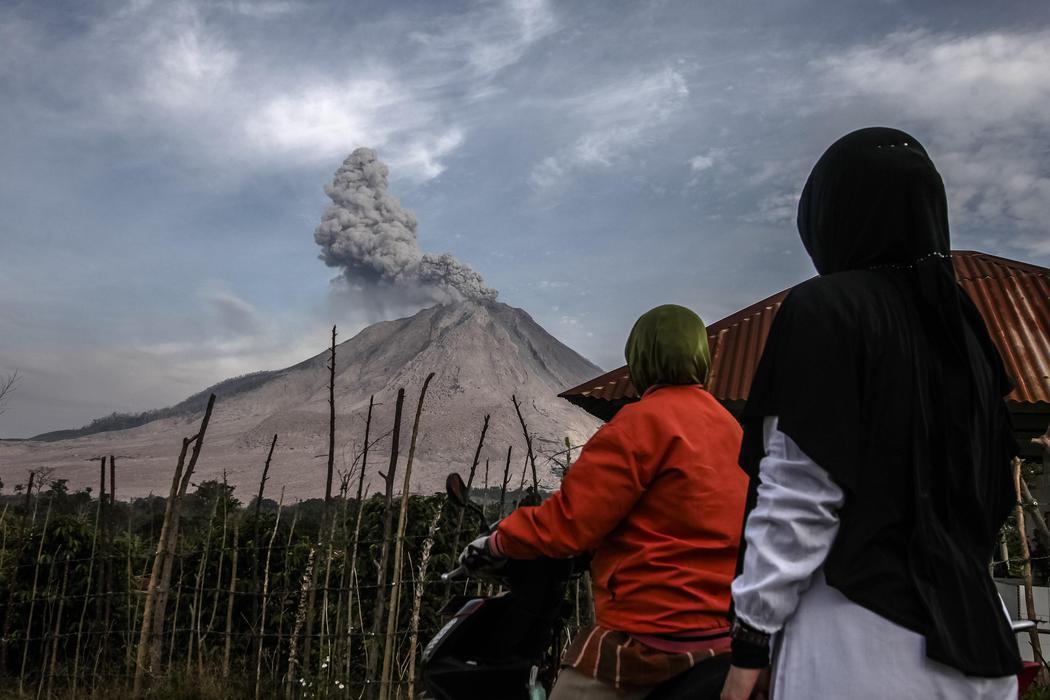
(746,684)
(475,552)
(478,555)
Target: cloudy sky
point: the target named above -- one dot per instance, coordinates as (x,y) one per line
(162,164)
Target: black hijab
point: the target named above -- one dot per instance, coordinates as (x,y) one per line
(882,371)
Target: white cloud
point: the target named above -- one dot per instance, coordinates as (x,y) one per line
(175,77)
(422,157)
(979,103)
(775,209)
(320,120)
(985,81)
(235,316)
(261,9)
(489,38)
(189,69)
(614,120)
(701,163)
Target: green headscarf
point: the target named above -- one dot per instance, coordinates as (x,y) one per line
(668,345)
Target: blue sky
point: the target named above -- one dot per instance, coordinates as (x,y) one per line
(162,164)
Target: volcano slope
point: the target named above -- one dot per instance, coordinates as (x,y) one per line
(481,354)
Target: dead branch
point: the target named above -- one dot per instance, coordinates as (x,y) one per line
(528,444)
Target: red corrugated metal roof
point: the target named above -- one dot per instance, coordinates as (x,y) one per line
(1013,297)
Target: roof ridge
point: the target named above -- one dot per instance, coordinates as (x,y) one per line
(1010,295)
(1010,265)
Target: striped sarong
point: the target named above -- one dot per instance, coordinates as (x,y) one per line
(627,661)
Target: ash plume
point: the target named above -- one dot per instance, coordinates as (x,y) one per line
(372,238)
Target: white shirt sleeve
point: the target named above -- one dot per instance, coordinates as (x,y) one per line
(788,534)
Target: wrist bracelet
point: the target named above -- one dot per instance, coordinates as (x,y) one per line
(741,631)
(749,647)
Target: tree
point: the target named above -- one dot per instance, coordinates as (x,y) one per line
(7,388)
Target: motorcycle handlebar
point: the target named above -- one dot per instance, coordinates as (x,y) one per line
(458,572)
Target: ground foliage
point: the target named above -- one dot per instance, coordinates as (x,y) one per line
(73,581)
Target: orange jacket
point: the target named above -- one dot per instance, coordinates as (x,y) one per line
(657,496)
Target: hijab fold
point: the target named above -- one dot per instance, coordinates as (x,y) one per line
(883,373)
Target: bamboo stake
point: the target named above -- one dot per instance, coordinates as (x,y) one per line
(156,594)
(503,486)
(324,655)
(484,509)
(524,473)
(528,443)
(104,562)
(1032,506)
(255,535)
(417,603)
(175,617)
(265,592)
(53,667)
(344,522)
(197,600)
(45,628)
(228,643)
(32,594)
(5,629)
(326,516)
(87,596)
(331,426)
(173,537)
(300,618)
(371,655)
(470,482)
(29,490)
(353,586)
(218,575)
(358,511)
(399,543)
(286,572)
(1033,633)
(132,613)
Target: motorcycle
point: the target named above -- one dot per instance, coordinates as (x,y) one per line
(506,646)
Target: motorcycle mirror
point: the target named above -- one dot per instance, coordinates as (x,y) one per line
(456,489)
(457,492)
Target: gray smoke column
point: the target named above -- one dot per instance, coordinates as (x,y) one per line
(367,233)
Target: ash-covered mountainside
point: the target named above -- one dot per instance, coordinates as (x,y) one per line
(481,354)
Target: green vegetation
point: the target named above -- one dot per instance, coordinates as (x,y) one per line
(73,579)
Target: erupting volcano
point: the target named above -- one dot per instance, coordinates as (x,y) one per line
(482,352)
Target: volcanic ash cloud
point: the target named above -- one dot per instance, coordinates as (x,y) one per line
(372,238)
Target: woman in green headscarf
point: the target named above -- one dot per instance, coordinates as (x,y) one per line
(656,496)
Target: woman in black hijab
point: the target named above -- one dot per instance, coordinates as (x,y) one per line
(880,445)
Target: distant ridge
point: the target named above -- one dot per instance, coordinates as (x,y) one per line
(186,407)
